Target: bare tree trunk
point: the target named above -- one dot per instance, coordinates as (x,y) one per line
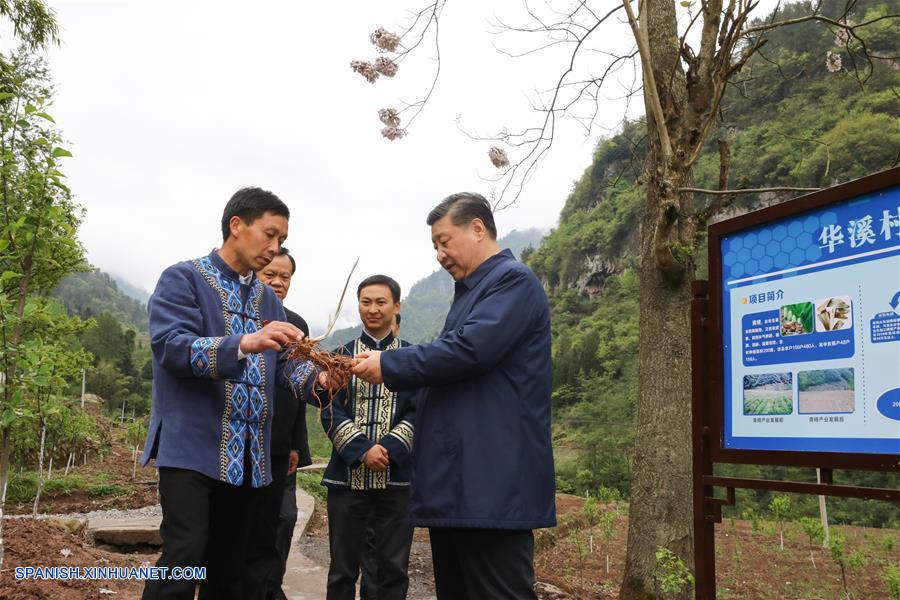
(50,468)
(4,479)
(40,483)
(660,511)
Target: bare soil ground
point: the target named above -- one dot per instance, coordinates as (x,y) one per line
(31,543)
(827,401)
(749,563)
(115,470)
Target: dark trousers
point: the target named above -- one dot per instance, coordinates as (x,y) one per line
(349,513)
(475,564)
(205,522)
(368,568)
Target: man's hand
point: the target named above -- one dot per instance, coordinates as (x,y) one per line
(376,458)
(274,336)
(369,367)
(331,381)
(293,461)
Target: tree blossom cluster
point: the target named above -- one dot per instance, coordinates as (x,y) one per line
(498,157)
(842,40)
(384,40)
(391,119)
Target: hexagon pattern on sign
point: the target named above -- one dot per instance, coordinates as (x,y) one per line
(793,243)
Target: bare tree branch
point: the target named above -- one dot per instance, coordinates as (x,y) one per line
(649,81)
(747,190)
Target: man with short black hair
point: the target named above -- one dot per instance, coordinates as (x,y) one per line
(290,449)
(483,474)
(371,430)
(216,335)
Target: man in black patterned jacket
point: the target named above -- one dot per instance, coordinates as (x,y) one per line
(368,476)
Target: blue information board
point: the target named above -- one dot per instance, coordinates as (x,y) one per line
(811,330)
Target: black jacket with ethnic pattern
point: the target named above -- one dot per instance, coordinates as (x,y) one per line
(363,415)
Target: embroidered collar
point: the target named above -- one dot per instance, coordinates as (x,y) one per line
(374,344)
(484,268)
(228,272)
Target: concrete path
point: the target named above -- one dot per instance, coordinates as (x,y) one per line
(303,579)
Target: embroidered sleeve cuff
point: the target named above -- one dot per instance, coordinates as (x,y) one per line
(350,442)
(298,377)
(404,433)
(215,357)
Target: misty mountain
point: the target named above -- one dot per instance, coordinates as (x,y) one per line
(425,306)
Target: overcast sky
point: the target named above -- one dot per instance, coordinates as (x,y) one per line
(171,106)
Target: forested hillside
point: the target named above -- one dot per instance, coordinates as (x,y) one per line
(95,292)
(788,122)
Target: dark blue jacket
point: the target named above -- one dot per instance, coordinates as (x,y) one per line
(483,455)
(207,403)
(362,415)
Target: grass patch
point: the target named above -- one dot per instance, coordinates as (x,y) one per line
(23,486)
(100,490)
(311,483)
(319,444)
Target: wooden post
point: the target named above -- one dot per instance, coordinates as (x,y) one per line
(704,524)
(823,512)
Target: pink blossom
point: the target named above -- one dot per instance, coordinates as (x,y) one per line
(386,66)
(498,157)
(389,117)
(842,37)
(365,69)
(385,40)
(393,133)
(833,62)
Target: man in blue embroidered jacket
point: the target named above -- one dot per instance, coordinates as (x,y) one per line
(216,334)
(483,474)
(371,431)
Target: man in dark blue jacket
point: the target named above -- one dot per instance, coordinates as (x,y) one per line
(483,474)
(216,333)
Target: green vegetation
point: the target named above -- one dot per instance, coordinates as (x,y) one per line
(311,483)
(672,575)
(94,293)
(780,507)
(319,444)
(23,487)
(767,402)
(892,580)
(831,378)
(797,318)
(789,122)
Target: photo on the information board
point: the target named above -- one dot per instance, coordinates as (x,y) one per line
(833,314)
(797,318)
(769,394)
(826,391)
